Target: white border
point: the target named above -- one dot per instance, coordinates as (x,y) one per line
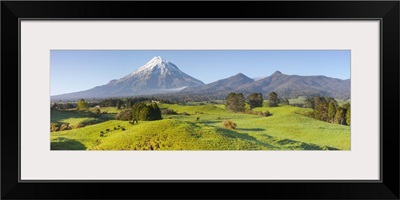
(39,163)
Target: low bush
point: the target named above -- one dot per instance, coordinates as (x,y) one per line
(259,113)
(54,127)
(168,112)
(80,125)
(97,111)
(229,124)
(64,127)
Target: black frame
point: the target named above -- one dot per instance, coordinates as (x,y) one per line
(386,11)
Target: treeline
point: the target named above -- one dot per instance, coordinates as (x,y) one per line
(63,106)
(327,109)
(236,102)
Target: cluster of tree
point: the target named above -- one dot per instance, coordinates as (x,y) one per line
(143,112)
(236,102)
(62,106)
(327,109)
(121,102)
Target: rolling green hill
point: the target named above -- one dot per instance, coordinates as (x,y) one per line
(286,129)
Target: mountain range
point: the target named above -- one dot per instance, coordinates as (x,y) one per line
(160,76)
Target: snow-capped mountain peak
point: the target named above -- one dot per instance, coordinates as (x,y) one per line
(158,73)
(160,65)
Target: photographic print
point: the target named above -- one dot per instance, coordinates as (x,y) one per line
(200,100)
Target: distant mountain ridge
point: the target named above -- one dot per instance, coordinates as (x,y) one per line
(227,84)
(160,76)
(288,86)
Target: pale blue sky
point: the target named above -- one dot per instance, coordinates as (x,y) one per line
(77,70)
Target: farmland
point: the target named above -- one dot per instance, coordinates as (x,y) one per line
(200,128)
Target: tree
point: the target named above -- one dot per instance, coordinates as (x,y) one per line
(321,108)
(235,102)
(255,100)
(309,103)
(54,106)
(348,116)
(340,117)
(331,112)
(118,104)
(155,111)
(273,99)
(145,113)
(136,110)
(82,104)
(128,103)
(284,101)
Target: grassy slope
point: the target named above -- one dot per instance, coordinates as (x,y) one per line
(285,130)
(158,135)
(76,117)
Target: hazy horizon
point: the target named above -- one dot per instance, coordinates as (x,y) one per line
(78,70)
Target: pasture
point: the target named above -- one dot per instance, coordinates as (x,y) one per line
(201,129)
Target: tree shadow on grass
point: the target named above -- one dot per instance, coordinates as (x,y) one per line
(67,115)
(304,145)
(63,143)
(209,121)
(233,134)
(250,129)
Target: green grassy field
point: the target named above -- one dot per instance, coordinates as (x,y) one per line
(73,117)
(286,129)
